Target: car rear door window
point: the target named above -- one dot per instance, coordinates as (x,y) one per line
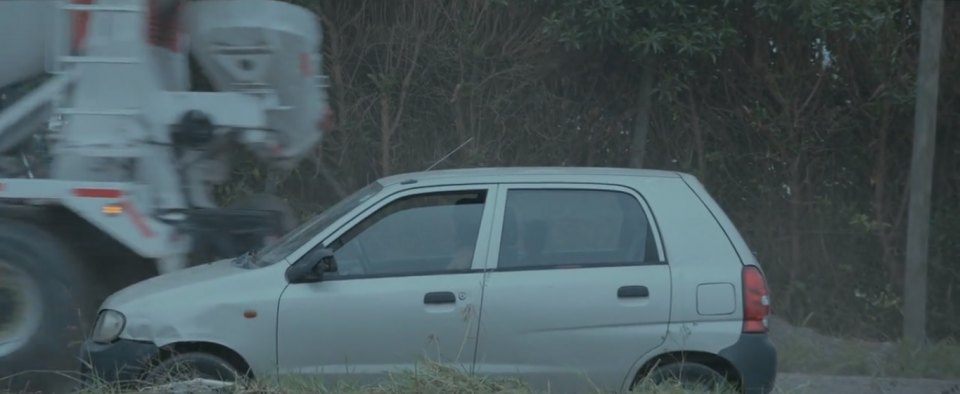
(545,228)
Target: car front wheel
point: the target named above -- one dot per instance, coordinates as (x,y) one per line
(196,368)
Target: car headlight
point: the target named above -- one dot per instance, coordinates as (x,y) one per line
(109,325)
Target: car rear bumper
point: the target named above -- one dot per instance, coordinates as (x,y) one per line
(121,362)
(755,357)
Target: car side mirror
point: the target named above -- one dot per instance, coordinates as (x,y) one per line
(310,267)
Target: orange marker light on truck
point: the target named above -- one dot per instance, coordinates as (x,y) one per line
(112,209)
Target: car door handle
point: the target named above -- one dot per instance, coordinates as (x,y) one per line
(633,292)
(439,297)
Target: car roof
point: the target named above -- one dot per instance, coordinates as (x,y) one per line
(521,173)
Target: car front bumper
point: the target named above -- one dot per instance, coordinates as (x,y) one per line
(755,357)
(121,362)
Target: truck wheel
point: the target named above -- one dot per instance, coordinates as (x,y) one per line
(43,286)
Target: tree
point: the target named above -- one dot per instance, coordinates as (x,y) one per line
(660,34)
(797,129)
(921,172)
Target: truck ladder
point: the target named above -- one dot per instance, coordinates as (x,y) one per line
(68,8)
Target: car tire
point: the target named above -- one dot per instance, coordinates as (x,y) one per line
(58,306)
(690,376)
(192,365)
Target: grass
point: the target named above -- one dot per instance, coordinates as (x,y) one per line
(431,378)
(939,360)
(798,354)
(427,378)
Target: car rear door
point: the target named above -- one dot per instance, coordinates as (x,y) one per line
(579,287)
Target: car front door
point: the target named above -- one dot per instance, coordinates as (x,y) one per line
(405,288)
(580,289)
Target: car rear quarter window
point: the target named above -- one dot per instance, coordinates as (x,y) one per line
(576,228)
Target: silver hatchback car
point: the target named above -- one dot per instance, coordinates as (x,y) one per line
(567,278)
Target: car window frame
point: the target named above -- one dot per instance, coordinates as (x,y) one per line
(481,249)
(496,233)
(318,239)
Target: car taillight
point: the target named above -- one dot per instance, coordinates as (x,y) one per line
(756,300)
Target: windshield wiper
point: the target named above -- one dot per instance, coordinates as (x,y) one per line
(246,260)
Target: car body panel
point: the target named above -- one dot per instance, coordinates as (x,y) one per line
(207,303)
(357,330)
(531,329)
(699,253)
(746,255)
(689,217)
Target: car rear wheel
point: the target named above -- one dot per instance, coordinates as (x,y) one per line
(691,377)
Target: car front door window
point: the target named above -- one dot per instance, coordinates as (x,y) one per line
(431,233)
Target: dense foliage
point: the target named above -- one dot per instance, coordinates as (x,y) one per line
(797,115)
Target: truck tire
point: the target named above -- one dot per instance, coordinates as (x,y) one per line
(49,292)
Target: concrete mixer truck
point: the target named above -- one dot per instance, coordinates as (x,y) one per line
(109,157)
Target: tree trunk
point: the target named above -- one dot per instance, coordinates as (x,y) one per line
(698,138)
(794,232)
(921,173)
(386,134)
(641,125)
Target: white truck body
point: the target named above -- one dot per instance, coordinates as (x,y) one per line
(128,145)
(24,56)
(118,95)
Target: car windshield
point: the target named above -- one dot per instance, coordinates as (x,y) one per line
(299,236)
